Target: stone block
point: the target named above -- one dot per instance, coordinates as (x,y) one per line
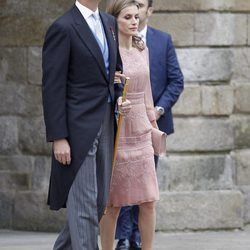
(180,26)
(163,173)
(11,7)
(195,173)
(23,31)
(8,135)
(242,164)
(35,65)
(27,99)
(242,97)
(220,29)
(241,64)
(200,210)
(248,29)
(16,163)
(173,5)
(201,134)
(103,5)
(41,173)
(58,7)
(14,181)
(189,102)
(25,23)
(206,64)
(6,208)
(246,195)
(10,67)
(202,5)
(45,8)
(32,213)
(241,127)
(217,100)
(32,138)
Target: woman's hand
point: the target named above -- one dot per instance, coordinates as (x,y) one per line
(157,115)
(123,107)
(154,124)
(61,150)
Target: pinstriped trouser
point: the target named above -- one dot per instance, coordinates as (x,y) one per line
(89,192)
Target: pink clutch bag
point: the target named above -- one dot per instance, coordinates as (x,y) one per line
(158,141)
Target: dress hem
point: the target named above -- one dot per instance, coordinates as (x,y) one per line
(132,204)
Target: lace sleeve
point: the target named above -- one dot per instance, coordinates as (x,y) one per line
(148,93)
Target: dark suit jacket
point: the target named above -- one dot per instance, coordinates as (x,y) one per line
(75,91)
(165,75)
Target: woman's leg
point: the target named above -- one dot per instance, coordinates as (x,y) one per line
(108,226)
(147,221)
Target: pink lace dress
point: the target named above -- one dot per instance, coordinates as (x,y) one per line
(134,179)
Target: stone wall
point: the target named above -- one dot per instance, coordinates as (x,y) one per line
(205,176)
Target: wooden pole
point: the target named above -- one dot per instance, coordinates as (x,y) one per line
(119,124)
(118,132)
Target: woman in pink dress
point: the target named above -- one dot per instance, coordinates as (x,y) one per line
(134,179)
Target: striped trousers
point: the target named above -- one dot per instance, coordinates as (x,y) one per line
(89,192)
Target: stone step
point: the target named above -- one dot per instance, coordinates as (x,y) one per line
(6,208)
(202,210)
(14,180)
(39,217)
(176,211)
(196,172)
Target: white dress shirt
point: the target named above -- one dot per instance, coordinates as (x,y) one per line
(86,12)
(88,15)
(143,34)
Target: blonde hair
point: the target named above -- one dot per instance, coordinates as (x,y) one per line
(115,7)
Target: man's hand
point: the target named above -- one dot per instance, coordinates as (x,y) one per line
(118,76)
(61,150)
(123,107)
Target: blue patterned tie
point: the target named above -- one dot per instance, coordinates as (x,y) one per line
(98,31)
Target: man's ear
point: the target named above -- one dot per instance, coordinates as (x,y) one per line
(150,11)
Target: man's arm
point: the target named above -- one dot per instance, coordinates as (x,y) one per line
(55,60)
(175,79)
(55,68)
(119,67)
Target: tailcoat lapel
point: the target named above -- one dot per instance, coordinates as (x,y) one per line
(88,38)
(111,40)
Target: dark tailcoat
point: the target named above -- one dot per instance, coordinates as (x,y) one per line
(76,88)
(165,75)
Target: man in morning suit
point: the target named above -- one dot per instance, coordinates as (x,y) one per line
(167,84)
(80,61)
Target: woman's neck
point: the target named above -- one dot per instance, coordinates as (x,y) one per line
(125,41)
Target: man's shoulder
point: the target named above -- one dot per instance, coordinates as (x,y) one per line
(159,33)
(64,20)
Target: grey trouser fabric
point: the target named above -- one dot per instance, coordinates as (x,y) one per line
(89,192)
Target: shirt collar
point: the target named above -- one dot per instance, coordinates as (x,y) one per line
(86,12)
(143,32)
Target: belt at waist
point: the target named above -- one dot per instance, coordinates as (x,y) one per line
(136,98)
